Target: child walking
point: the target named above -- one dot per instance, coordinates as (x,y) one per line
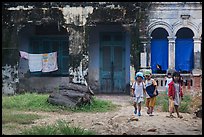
(151,92)
(138,88)
(175,94)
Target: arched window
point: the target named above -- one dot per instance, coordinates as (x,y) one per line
(159,50)
(184,58)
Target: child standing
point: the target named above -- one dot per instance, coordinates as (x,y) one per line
(151,92)
(175,94)
(168,80)
(137,92)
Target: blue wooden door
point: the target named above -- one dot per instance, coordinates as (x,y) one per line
(184,55)
(159,54)
(112,75)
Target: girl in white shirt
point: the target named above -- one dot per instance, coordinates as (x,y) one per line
(168,80)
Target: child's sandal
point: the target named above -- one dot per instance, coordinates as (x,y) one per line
(180,116)
(171,116)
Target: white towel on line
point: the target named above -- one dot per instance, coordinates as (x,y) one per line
(35,62)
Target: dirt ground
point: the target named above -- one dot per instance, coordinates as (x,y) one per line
(119,122)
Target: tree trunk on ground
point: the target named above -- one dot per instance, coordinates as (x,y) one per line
(71,95)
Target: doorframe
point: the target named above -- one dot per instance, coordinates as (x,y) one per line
(112,43)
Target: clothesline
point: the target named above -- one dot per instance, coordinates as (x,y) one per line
(45,62)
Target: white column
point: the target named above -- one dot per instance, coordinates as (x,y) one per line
(143,57)
(148,49)
(197,53)
(171,52)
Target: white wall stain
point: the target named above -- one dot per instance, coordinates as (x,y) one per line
(80,72)
(76,15)
(10,79)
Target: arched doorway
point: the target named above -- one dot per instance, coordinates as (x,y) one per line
(159,50)
(184,61)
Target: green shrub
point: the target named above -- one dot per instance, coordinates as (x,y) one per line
(162,101)
(184,107)
(165,106)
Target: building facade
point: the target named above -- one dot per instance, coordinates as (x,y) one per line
(94,42)
(175,35)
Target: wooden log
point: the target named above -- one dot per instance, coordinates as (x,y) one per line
(71,95)
(76,87)
(58,99)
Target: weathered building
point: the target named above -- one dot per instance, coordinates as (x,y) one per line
(97,41)
(175,28)
(175,40)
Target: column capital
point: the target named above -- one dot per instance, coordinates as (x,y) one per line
(171,38)
(197,39)
(144,43)
(149,38)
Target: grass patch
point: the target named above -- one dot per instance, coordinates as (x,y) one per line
(9,116)
(29,102)
(162,102)
(60,128)
(38,102)
(184,107)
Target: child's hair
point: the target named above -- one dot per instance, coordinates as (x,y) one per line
(168,74)
(177,74)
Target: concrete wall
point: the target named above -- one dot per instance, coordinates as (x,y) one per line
(42,84)
(94,64)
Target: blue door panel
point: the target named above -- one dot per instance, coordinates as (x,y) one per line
(159,53)
(112,63)
(184,55)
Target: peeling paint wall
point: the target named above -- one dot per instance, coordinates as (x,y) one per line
(76,41)
(76,15)
(10,79)
(75,19)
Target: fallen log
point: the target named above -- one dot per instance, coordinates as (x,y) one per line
(71,95)
(76,87)
(58,99)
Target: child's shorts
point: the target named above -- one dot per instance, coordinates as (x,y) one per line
(138,99)
(150,102)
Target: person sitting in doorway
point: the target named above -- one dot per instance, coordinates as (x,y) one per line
(158,69)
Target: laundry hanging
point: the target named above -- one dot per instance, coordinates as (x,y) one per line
(35,62)
(24,54)
(49,62)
